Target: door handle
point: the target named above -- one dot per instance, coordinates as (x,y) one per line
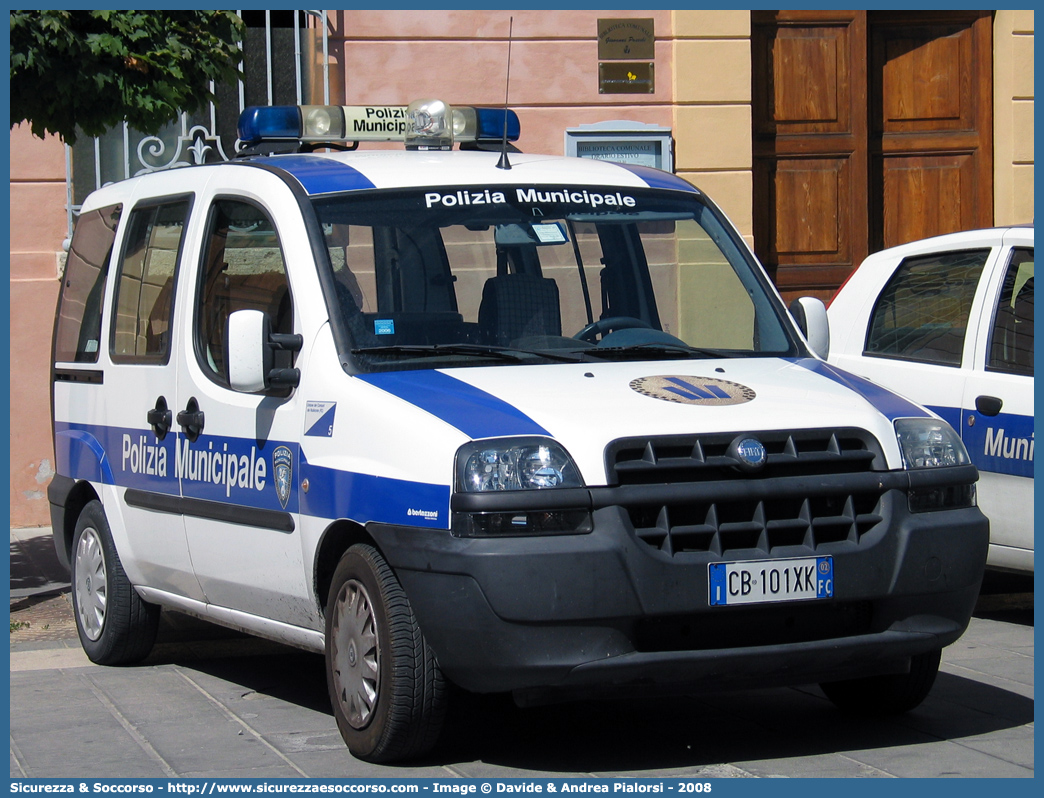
(988,405)
(191,420)
(160,418)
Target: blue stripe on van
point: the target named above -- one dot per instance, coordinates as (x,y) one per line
(471,410)
(889,404)
(366,498)
(133,458)
(79,454)
(319,175)
(654,178)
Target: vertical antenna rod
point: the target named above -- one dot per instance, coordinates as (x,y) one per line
(503,163)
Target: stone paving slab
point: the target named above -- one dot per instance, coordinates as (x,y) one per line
(208,718)
(211,703)
(939,759)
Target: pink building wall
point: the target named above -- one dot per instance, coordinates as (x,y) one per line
(391,57)
(38,227)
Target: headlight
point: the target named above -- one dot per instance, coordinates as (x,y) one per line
(522,465)
(515,464)
(929,443)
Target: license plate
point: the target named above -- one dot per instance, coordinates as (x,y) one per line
(764,581)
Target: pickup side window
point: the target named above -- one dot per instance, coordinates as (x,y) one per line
(244,270)
(144,301)
(922,313)
(1011,341)
(78,326)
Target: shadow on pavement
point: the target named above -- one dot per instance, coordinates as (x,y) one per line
(35,567)
(1006,597)
(258,666)
(639,735)
(646,734)
(623,735)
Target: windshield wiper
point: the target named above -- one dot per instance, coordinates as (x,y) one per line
(637,351)
(438,350)
(477,350)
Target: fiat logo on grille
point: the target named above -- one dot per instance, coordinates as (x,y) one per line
(749,453)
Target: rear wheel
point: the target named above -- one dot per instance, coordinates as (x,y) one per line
(891,694)
(386,688)
(114,625)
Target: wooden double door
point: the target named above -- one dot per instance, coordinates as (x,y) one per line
(871,129)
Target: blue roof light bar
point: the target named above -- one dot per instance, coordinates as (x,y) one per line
(425,124)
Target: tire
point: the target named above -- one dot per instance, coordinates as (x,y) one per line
(115,626)
(891,694)
(386,689)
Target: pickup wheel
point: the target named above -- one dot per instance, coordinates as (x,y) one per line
(116,627)
(891,694)
(386,688)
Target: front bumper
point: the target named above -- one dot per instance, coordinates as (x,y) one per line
(584,614)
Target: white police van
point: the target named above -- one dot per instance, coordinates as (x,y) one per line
(519,423)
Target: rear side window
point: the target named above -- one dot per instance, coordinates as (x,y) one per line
(144,302)
(78,326)
(1011,342)
(922,314)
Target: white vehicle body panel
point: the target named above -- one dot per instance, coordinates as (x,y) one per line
(1005,489)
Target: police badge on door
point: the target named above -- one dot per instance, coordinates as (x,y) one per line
(283,468)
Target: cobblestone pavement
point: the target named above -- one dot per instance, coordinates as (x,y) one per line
(40,618)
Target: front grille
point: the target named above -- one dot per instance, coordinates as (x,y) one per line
(702,458)
(721,527)
(786,512)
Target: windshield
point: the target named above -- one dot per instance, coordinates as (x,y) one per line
(432,278)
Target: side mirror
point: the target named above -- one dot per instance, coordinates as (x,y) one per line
(250,345)
(811,317)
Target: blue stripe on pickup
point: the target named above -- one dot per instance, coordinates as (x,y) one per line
(1002,444)
(889,404)
(951,415)
(471,410)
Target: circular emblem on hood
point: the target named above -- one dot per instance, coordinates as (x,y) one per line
(693,390)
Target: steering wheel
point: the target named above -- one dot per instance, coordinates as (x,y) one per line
(603,326)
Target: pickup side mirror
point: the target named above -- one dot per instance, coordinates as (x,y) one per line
(250,346)
(811,317)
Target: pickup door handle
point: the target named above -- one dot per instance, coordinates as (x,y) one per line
(988,405)
(191,419)
(160,418)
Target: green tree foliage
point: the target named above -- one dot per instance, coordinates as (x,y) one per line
(87,71)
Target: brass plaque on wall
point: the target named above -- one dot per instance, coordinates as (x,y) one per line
(625,39)
(626,78)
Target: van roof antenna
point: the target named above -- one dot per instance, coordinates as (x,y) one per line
(503,163)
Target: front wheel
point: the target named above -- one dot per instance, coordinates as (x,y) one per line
(386,688)
(115,626)
(891,694)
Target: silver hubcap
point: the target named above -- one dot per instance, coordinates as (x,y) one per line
(355,653)
(92,588)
